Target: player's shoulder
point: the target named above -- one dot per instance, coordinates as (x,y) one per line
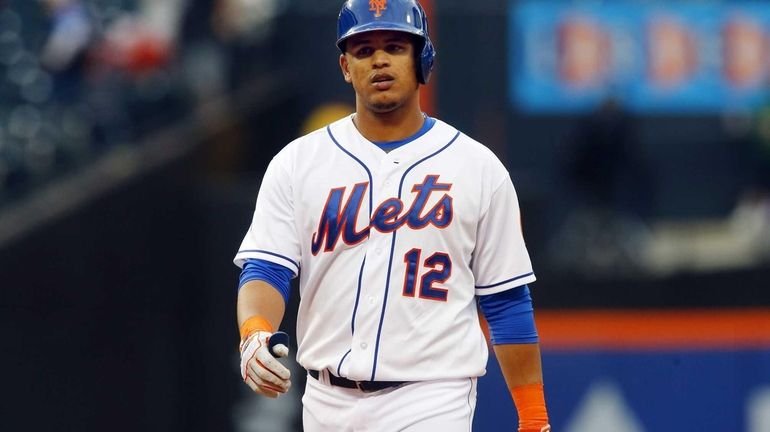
(310,142)
(314,138)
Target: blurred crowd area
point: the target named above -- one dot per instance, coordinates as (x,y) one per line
(667,168)
(611,183)
(78,77)
(700,203)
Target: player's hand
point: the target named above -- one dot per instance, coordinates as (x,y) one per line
(260,370)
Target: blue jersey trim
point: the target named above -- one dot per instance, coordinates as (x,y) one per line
(296,264)
(368,173)
(392,250)
(505,281)
(339,366)
(358,296)
(371,205)
(390,145)
(510,316)
(401,185)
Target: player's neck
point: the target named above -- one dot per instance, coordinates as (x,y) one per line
(392,126)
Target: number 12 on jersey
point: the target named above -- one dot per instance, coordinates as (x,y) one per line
(441,268)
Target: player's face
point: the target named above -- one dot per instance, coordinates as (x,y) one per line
(380,66)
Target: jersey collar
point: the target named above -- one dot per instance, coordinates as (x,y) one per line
(391,145)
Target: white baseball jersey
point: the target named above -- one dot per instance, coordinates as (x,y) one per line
(393,247)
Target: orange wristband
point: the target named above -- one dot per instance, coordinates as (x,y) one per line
(253,325)
(530,403)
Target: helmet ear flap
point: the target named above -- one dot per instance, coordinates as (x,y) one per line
(428,53)
(427,56)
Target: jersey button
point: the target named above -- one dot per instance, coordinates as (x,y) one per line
(378,251)
(371,300)
(363,345)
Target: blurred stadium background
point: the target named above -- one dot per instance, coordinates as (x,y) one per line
(134,134)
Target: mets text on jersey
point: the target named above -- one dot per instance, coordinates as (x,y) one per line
(339,221)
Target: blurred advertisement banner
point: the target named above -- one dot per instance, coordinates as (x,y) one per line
(646,370)
(653,57)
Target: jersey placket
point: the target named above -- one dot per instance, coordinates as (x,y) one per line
(375,287)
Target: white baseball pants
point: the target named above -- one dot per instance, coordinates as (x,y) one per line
(422,406)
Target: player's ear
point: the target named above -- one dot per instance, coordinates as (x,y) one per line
(345,67)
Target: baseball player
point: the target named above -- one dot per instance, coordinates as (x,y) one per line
(400,228)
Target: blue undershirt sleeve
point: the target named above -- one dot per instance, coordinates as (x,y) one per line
(275,274)
(510,316)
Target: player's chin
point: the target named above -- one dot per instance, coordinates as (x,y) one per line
(382,105)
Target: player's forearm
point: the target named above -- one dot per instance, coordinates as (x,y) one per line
(258,298)
(520,363)
(523,373)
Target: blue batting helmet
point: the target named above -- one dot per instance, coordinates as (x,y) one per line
(360,16)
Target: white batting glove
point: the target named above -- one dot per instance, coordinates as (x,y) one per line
(260,370)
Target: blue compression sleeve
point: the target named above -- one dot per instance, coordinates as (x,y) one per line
(510,316)
(275,274)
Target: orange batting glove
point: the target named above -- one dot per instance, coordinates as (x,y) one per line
(530,403)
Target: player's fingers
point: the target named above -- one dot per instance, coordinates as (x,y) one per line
(265,378)
(258,370)
(252,385)
(271,364)
(271,388)
(281,350)
(261,389)
(248,350)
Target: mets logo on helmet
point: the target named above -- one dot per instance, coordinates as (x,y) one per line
(377,6)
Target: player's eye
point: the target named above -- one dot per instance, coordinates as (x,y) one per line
(364,51)
(396,48)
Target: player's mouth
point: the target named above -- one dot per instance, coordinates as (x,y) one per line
(382,81)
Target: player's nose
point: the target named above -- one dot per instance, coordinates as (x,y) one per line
(380,59)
